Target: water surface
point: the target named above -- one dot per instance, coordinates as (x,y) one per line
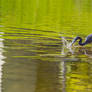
(33,57)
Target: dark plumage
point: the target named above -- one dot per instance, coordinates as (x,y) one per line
(87,41)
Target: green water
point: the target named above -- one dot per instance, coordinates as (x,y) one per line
(33,57)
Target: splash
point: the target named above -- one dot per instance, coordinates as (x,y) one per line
(66,46)
(66,43)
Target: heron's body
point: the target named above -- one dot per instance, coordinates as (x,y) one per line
(87,41)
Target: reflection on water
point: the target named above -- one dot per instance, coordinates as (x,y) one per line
(1,60)
(35,63)
(33,58)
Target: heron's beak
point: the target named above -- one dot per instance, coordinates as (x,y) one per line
(72,42)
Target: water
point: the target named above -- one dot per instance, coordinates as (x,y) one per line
(34,46)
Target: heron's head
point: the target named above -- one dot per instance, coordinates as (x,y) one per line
(75,39)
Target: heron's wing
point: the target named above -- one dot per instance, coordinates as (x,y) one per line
(89,38)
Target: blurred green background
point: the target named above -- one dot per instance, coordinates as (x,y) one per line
(65,16)
(32,50)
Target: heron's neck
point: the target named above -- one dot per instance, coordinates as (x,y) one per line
(80,42)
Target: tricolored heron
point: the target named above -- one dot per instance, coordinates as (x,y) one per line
(87,41)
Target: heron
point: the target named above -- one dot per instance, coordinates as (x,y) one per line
(87,40)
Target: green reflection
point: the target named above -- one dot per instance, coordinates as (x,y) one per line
(70,16)
(32,45)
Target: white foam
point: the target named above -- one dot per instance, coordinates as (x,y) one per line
(66,45)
